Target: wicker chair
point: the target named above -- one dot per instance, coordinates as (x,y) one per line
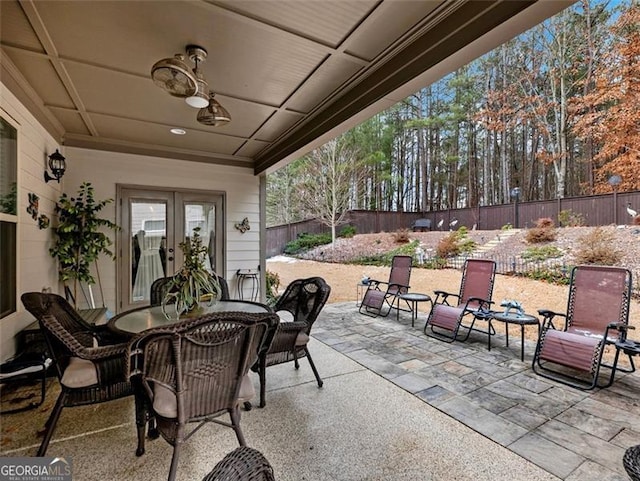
(196,370)
(303,299)
(242,464)
(160,286)
(630,461)
(473,301)
(87,374)
(597,312)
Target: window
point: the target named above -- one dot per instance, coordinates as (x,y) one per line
(8,216)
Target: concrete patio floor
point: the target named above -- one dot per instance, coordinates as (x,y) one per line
(395,405)
(572,434)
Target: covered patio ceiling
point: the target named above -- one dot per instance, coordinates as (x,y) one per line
(292,74)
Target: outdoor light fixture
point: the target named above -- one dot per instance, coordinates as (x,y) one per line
(179,80)
(515,194)
(57,166)
(214,114)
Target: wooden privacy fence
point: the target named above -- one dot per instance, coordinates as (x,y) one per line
(594,210)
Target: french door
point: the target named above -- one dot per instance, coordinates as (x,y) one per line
(154,222)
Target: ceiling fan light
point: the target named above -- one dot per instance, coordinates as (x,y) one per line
(174,76)
(214,114)
(200,99)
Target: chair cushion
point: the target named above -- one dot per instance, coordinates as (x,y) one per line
(166,405)
(79,373)
(302,339)
(247,391)
(285,316)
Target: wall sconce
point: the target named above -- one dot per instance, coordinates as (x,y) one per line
(57,166)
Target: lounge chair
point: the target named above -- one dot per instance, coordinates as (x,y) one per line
(381,296)
(473,301)
(597,310)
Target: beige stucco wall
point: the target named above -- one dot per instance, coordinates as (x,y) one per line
(36,268)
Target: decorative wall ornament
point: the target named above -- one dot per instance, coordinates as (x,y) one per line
(43,222)
(32,208)
(243,226)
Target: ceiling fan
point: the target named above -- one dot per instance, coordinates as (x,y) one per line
(179,80)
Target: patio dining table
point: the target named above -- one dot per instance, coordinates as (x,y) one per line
(140,319)
(137,321)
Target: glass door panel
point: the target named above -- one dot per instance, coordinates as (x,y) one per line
(148,245)
(154,222)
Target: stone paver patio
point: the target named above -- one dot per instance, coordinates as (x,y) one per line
(572,434)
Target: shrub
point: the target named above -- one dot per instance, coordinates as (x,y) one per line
(305,242)
(401,236)
(347,231)
(541,253)
(545,223)
(544,231)
(568,218)
(554,275)
(636,220)
(272,285)
(455,243)
(384,259)
(597,248)
(506,227)
(448,246)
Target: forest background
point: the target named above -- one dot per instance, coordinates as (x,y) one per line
(553,112)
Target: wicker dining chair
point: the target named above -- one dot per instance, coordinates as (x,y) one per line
(242,464)
(631,462)
(160,287)
(90,370)
(302,301)
(196,371)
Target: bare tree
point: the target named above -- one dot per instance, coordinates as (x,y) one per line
(332,176)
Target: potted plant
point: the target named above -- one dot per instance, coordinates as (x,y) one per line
(192,285)
(79,240)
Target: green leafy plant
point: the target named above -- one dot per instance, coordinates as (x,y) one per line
(506,227)
(553,275)
(347,231)
(8,202)
(305,242)
(79,239)
(192,284)
(541,253)
(568,218)
(272,280)
(384,259)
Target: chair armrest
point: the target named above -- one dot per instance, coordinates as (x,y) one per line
(548,316)
(285,337)
(106,336)
(484,305)
(444,295)
(622,329)
(100,353)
